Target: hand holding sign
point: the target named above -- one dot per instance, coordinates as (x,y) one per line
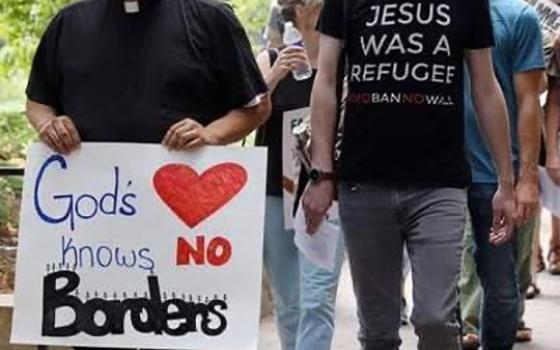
(60,134)
(186,134)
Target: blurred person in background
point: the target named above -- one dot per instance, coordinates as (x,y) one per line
(272,35)
(550,46)
(491,306)
(304,294)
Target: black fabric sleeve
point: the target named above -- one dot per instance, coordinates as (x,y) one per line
(480,34)
(238,77)
(332,19)
(44,83)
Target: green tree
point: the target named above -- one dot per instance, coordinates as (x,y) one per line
(253,14)
(22,23)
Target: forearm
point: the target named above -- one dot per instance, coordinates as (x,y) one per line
(494,124)
(238,123)
(38,114)
(323,123)
(286,61)
(529,130)
(272,78)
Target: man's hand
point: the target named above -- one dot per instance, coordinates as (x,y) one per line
(317,201)
(504,215)
(553,170)
(527,194)
(60,134)
(187,134)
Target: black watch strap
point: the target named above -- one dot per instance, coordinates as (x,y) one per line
(317,175)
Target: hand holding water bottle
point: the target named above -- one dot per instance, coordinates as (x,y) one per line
(289,59)
(292,39)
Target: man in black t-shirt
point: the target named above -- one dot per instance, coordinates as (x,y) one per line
(177,72)
(180,73)
(403,171)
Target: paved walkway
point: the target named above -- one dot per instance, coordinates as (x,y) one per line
(543,315)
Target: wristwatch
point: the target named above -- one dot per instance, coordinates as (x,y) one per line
(316,175)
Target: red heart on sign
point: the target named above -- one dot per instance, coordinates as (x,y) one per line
(194,198)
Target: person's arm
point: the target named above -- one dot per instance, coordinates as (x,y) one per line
(288,59)
(528,64)
(39,114)
(318,197)
(492,118)
(527,88)
(552,129)
(232,127)
(324,104)
(238,123)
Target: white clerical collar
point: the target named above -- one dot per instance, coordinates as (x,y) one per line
(131,6)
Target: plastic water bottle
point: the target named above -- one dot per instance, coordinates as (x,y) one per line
(292,37)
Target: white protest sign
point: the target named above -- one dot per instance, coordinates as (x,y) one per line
(320,248)
(290,164)
(549,13)
(127,245)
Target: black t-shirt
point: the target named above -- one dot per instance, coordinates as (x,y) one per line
(290,94)
(129,77)
(404,116)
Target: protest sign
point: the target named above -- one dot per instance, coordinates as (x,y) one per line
(290,163)
(549,14)
(128,245)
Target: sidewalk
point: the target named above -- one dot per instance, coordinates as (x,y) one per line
(543,315)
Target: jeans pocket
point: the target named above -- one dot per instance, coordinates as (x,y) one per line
(345,192)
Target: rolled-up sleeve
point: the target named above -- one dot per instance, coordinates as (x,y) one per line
(333,17)
(44,83)
(238,77)
(481,32)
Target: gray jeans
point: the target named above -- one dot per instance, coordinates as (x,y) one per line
(376,221)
